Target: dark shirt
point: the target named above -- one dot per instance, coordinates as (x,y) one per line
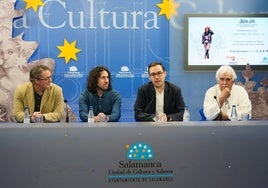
(37,102)
(207,37)
(144,106)
(109,103)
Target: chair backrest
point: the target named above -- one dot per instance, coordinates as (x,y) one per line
(201,112)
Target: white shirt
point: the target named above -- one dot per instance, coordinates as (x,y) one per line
(159,106)
(239,97)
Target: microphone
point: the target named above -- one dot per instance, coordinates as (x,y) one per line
(149,104)
(220,115)
(67,115)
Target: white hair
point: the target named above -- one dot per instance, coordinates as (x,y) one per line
(224,69)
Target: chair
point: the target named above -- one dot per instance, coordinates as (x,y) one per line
(201,112)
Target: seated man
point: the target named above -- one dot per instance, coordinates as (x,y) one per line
(106,102)
(220,98)
(158,100)
(40,95)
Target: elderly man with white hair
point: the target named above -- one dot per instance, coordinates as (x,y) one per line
(220,98)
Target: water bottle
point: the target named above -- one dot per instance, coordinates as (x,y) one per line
(26,115)
(186,114)
(234,113)
(90,118)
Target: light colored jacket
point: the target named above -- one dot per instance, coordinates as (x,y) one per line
(52,103)
(239,97)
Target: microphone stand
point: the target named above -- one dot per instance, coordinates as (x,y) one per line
(147,107)
(220,115)
(67,115)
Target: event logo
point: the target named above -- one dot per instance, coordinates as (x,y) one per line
(73,73)
(124,73)
(140,166)
(247,21)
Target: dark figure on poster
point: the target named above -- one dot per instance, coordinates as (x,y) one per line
(206,41)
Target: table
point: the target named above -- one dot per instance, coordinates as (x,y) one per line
(171,155)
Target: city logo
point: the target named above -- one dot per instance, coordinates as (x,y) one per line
(139,151)
(139,166)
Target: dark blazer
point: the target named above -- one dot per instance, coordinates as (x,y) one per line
(144,106)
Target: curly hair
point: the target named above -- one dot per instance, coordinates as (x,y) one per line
(93,76)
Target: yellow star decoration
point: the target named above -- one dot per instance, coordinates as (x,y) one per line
(68,51)
(33,4)
(168,7)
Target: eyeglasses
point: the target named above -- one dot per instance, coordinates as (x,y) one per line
(154,74)
(46,79)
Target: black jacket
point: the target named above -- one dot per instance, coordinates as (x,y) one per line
(144,106)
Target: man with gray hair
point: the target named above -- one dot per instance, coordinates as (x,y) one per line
(42,97)
(220,98)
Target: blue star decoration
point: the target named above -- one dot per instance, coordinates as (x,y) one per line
(139,151)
